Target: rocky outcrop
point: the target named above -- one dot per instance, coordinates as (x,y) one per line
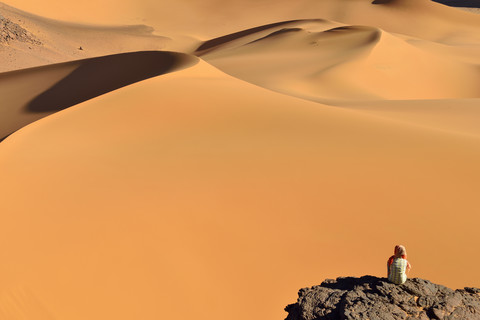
(375,298)
(10,31)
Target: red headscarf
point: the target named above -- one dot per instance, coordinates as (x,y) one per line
(399,252)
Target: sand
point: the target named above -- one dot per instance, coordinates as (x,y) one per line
(216,177)
(59,41)
(31,94)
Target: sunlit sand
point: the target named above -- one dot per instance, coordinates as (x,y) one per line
(215,157)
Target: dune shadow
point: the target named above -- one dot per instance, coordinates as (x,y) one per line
(73,82)
(460,3)
(237,35)
(451,3)
(278,33)
(212,43)
(96,76)
(381,1)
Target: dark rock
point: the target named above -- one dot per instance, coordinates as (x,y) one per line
(10,31)
(373,298)
(472,290)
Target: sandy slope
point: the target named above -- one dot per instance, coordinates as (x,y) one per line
(473,10)
(147,203)
(321,62)
(211,18)
(31,94)
(179,26)
(195,194)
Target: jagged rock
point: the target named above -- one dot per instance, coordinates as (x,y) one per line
(375,298)
(10,31)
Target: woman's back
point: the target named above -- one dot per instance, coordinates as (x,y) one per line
(398,270)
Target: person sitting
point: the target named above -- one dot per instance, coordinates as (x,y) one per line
(398,266)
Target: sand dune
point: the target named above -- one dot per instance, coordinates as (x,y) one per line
(166,203)
(57,41)
(254,34)
(472,10)
(31,94)
(418,18)
(345,62)
(454,116)
(205,19)
(297,141)
(61,41)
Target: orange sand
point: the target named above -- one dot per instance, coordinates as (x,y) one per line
(221,186)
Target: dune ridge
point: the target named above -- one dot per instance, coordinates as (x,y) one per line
(326,64)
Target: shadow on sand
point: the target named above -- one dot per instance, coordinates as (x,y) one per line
(460,3)
(22,105)
(98,76)
(208,45)
(381,1)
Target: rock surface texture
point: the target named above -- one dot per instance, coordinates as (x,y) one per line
(375,298)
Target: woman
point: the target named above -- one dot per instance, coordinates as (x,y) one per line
(398,266)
